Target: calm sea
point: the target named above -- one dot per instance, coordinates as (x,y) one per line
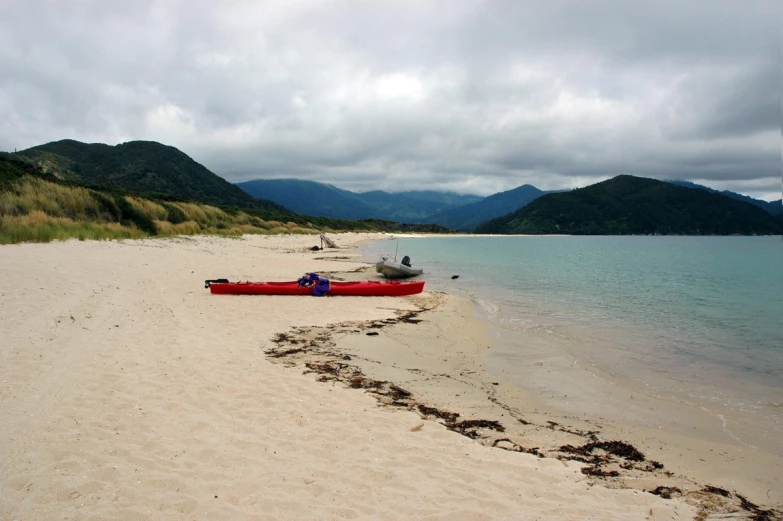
(696,319)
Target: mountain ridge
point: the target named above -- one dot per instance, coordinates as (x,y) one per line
(629,205)
(151,168)
(141,166)
(468,217)
(315,198)
(773,207)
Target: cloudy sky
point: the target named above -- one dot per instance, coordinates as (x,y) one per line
(463,95)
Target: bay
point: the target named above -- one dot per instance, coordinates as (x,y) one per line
(692,320)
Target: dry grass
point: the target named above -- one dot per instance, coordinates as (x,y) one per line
(40,211)
(53,199)
(166,229)
(39,227)
(149,208)
(204,214)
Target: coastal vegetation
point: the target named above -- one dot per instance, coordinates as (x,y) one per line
(37,206)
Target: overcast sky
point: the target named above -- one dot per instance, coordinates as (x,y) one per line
(470,96)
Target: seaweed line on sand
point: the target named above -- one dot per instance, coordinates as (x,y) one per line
(612,463)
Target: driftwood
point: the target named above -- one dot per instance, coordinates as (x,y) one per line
(326,240)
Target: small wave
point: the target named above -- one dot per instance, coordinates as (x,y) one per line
(488,307)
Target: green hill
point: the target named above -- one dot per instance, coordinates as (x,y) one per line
(628,205)
(772,207)
(144,167)
(13,168)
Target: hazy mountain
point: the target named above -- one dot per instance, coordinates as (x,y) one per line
(468,216)
(140,166)
(310,198)
(627,205)
(414,206)
(320,199)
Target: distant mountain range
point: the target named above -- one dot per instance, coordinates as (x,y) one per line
(625,204)
(458,212)
(440,208)
(628,205)
(469,216)
(320,199)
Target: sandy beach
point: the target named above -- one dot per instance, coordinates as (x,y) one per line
(128,392)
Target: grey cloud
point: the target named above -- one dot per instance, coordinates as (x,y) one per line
(474,96)
(743,102)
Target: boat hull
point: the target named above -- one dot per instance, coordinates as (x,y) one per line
(370,288)
(395,270)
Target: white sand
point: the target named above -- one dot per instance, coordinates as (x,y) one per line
(127,391)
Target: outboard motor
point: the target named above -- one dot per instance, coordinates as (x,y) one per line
(406,261)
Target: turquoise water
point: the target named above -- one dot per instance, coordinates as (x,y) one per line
(691,318)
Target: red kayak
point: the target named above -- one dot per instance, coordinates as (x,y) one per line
(368,288)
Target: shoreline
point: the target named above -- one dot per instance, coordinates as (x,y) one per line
(711,444)
(455,390)
(708,456)
(130,392)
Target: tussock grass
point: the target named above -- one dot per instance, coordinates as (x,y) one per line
(149,208)
(167,229)
(271,225)
(37,210)
(279,230)
(204,214)
(39,227)
(53,199)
